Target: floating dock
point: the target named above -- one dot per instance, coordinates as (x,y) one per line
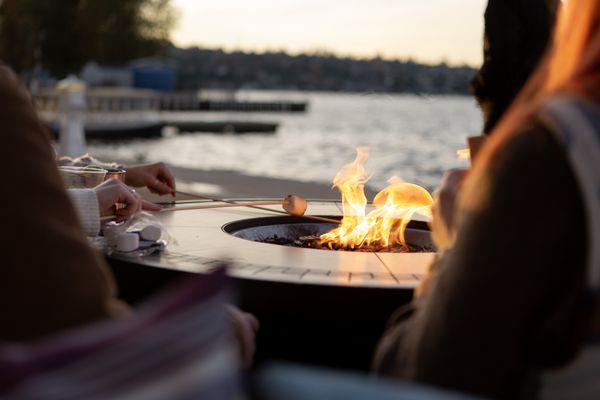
(119,113)
(224,126)
(129,99)
(185,104)
(131,130)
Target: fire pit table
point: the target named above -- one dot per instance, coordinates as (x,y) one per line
(316,306)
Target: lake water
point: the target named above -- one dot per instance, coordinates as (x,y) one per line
(413,137)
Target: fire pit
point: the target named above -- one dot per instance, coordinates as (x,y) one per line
(302,233)
(206,238)
(322,291)
(307,300)
(384,244)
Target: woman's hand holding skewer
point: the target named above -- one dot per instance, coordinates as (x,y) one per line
(113,192)
(157,177)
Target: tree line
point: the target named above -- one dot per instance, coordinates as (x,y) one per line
(61,36)
(206,68)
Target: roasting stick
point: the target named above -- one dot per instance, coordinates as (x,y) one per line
(257,206)
(205,197)
(293,205)
(205,207)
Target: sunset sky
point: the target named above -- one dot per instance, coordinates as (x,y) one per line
(425,30)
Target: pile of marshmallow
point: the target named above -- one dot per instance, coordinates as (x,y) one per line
(118,238)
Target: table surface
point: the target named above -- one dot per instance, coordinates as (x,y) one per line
(201,245)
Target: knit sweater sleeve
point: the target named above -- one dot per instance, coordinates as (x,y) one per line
(85,202)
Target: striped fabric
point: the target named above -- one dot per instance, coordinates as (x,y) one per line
(85,202)
(179,346)
(576,124)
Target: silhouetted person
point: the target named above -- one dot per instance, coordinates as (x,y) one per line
(515,39)
(511,305)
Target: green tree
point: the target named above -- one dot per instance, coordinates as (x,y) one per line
(17,37)
(63,36)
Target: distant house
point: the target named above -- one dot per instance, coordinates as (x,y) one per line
(95,74)
(146,73)
(154,73)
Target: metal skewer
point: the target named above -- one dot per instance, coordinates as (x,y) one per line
(205,197)
(229,203)
(206,207)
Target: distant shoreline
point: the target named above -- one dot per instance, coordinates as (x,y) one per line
(214,68)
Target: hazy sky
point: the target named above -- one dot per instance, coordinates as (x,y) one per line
(426,30)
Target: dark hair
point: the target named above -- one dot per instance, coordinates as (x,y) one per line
(517,33)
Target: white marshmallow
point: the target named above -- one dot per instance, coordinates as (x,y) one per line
(151,232)
(127,242)
(111,230)
(295,205)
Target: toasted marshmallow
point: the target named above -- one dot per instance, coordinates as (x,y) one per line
(295,205)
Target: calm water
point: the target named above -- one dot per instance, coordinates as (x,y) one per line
(413,137)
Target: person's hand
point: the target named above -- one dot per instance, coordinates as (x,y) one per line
(245,325)
(114,192)
(157,177)
(445,199)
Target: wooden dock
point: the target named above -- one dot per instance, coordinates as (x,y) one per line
(235,127)
(119,113)
(191,102)
(130,99)
(149,130)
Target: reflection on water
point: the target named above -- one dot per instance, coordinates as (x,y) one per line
(413,137)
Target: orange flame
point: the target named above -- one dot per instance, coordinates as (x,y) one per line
(385,225)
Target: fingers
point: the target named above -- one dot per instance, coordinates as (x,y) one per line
(131,200)
(148,206)
(253,321)
(166,177)
(454,177)
(157,177)
(445,200)
(451,184)
(246,326)
(159,187)
(248,347)
(116,198)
